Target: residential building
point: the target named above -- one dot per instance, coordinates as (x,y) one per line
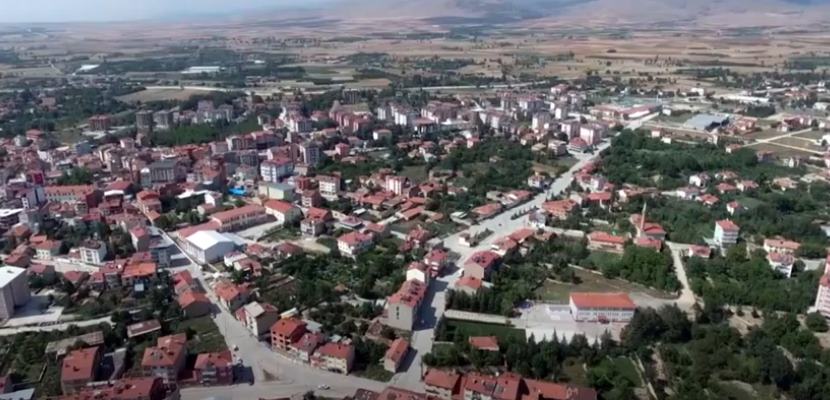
(126,389)
(418,271)
(78,368)
(395,355)
(231,295)
(781,245)
(193,304)
(329,187)
(402,307)
(214,368)
(275,170)
(166,359)
(602,241)
(93,252)
(481,264)
(284,212)
(259,318)
(47,249)
(334,357)
(726,233)
(354,243)
(14,290)
(304,348)
(441,384)
(602,307)
(285,332)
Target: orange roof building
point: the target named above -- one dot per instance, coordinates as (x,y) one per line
(602,307)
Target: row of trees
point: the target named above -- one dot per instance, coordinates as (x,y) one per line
(738,279)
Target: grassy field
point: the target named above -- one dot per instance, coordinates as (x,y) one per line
(572,368)
(206,337)
(557,292)
(375,372)
(467,328)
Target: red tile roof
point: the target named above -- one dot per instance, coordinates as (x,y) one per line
(288,327)
(335,350)
(397,350)
(410,293)
(222,359)
(728,225)
(80,364)
(487,343)
(603,300)
(279,206)
(604,237)
(166,353)
(441,379)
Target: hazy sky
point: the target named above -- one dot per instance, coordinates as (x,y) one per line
(114,10)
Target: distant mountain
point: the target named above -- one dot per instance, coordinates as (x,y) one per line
(719,13)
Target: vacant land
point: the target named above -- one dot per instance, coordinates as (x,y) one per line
(151,95)
(559,292)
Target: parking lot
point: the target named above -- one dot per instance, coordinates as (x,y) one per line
(544,320)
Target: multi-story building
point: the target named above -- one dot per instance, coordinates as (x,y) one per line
(284,212)
(395,355)
(100,123)
(93,252)
(214,368)
(275,170)
(259,318)
(79,368)
(286,332)
(403,306)
(334,357)
(329,187)
(144,121)
(602,307)
(166,359)
(14,290)
(311,153)
(86,195)
(164,120)
(354,243)
(161,172)
(304,348)
(441,384)
(726,233)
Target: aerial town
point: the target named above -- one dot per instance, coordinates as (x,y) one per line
(241,224)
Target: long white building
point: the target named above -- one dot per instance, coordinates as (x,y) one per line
(602,307)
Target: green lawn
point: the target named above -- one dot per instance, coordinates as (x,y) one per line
(281,233)
(573,370)
(205,335)
(467,328)
(626,368)
(557,292)
(375,372)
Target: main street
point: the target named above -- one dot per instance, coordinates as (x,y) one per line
(433,309)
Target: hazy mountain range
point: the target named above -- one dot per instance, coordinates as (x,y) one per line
(699,12)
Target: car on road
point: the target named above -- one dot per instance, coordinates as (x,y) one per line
(323,387)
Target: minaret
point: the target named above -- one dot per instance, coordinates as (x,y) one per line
(643,219)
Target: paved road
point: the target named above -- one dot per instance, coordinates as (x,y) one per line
(501,225)
(687,299)
(292,378)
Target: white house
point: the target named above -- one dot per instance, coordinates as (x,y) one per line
(283,211)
